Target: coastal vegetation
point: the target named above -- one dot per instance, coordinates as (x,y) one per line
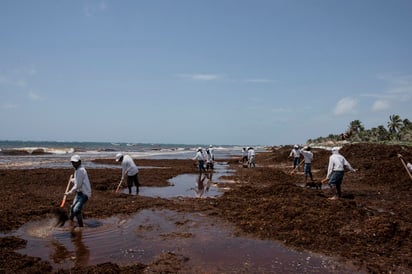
(397,131)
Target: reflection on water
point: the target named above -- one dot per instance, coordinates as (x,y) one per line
(80,255)
(209,243)
(189,185)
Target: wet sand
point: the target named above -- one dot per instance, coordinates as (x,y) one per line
(368,231)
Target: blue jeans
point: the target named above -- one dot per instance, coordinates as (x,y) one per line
(308,170)
(76,209)
(296,162)
(336,179)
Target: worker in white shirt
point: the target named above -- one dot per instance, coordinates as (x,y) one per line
(82,188)
(209,158)
(308,157)
(130,170)
(244,155)
(200,157)
(251,157)
(296,156)
(212,152)
(336,170)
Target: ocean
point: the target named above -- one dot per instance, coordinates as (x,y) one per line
(50,154)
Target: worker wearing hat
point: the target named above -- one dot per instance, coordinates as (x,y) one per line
(200,157)
(130,170)
(308,157)
(296,156)
(336,170)
(82,188)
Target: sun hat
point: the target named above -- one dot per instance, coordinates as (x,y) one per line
(75,158)
(118,156)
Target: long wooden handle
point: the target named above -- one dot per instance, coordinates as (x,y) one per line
(118,186)
(67,189)
(301,162)
(406,167)
(324,181)
(121,181)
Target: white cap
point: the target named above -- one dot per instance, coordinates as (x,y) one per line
(199,148)
(75,158)
(118,156)
(296,146)
(335,150)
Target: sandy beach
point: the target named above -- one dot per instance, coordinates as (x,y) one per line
(367,231)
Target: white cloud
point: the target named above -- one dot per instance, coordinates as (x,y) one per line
(8,106)
(17,77)
(380,105)
(280,109)
(259,80)
(34,96)
(91,9)
(345,106)
(399,90)
(201,77)
(400,86)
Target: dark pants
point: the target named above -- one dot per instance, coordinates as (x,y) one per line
(244,159)
(134,179)
(308,171)
(336,179)
(201,166)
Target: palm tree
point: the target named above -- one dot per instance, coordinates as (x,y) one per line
(394,125)
(354,130)
(382,133)
(405,132)
(407,124)
(356,126)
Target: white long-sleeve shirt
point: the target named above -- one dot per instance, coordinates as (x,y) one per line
(129,166)
(307,155)
(409,166)
(251,153)
(295,153)
(199,156)
(337,163)
(81,182)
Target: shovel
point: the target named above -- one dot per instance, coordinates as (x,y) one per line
(404,164)
(293,171)
(60,213)
(67,189)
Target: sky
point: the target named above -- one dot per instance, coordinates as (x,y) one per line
(222,72)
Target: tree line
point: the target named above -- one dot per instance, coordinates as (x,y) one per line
(397,131)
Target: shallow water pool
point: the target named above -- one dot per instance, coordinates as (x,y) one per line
(211,245)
